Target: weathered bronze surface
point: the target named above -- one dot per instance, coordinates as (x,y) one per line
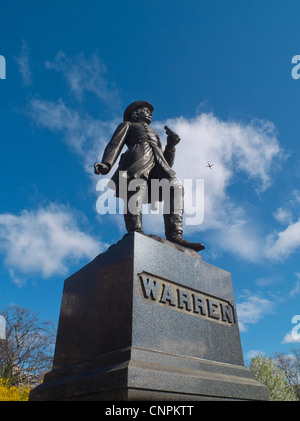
(146,160)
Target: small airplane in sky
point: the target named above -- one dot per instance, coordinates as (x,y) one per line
(209,165)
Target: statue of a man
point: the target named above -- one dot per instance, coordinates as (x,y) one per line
(146,160)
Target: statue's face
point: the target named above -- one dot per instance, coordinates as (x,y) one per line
(142,114)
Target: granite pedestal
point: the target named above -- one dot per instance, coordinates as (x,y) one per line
(147,320)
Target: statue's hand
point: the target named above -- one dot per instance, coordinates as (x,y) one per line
(173,137)
(100,168)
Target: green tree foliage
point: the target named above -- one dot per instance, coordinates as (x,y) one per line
(264,370)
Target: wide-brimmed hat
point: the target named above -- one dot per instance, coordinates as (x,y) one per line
(134,106)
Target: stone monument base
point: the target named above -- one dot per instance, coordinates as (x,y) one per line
(148,320)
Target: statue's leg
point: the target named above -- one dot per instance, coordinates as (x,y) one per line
(173,218)
(133,216)
(173,212)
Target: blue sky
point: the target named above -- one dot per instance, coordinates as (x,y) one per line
(218,73)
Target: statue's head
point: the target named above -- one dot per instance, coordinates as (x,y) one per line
(139,111)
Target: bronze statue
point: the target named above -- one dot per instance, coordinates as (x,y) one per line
(146,160)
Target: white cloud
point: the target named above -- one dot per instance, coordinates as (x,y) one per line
(23,64)
(283,216)
(43,242)
(235,148)
(280,245)
(231,145)
(252,354)
(265,281)
(290,338)
(252,310)
(296,289)
(84,74)
(294,335)
(85,136)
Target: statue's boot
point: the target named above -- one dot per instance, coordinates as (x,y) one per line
(173,230)
(185,243)
(133,223)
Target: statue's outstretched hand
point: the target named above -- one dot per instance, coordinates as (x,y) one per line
(100,168)
(173,137)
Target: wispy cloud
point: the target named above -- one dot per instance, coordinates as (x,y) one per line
(85,135)
(282,244)
(86,74)
(43,242)
(294,335)
(283,215)
(296,289)
(252,354)
(23,64)
(252,309)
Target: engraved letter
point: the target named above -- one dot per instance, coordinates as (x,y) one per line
(167,296)
(213,308)
(150,287)
(199,305)
(184,300)
(226,311)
